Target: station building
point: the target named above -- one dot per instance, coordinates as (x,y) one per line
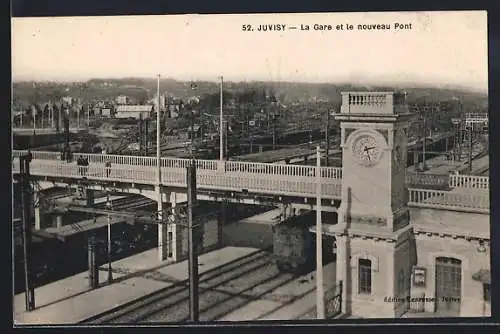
(394,259)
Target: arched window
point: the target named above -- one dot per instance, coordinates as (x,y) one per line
(364,276)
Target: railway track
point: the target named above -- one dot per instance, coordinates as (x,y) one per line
(221,290)
(128,203)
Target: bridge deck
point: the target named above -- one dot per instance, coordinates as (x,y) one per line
(253,178)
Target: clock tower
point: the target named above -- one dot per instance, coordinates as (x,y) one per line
(375,249)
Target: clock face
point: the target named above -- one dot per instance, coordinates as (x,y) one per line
(366,150)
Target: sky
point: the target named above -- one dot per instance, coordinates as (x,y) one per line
(444,48)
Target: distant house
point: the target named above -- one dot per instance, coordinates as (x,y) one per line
(133,111)
(106,112)
(68,100)
(173,110)
(122,99)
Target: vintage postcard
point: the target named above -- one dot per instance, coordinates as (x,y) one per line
(227,168)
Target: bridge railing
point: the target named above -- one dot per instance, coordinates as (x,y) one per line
(42,155)
(281,169)
(228,166)
(475,202)
(206,178)
(469,181)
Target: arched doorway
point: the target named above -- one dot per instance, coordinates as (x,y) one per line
(448,286)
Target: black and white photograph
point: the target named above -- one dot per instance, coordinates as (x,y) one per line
(228,168)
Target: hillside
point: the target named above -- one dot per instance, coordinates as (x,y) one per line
(143,89)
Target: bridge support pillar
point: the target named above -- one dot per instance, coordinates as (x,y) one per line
(38,218)
(162,228)
(173,237)
(89,196)
(221,222)
(57,221)
(287,211)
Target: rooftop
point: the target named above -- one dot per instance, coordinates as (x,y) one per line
(134,108)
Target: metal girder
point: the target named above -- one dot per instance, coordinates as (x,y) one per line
(178,214)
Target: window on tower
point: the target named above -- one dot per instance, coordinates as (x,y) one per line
(364,276)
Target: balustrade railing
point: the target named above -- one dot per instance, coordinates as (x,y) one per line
(254,177)
(446,200)
(469,181)
(207,178)
(228,166)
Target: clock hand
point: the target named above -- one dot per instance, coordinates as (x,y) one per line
(369,148)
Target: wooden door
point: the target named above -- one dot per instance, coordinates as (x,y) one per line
(448,286)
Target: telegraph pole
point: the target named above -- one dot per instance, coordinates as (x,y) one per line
(67,148)
(26,212)
(193,238)
(274,131)
(424,142)
(471,129)
(327,138)
(88,116)
(110,271)
(221,129)
(320,303)
(51,109)
(158,170)
(141,135)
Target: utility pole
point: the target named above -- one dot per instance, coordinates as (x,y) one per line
(59,120)
(67,148)
(274,131)
(424,142)
(320,303)
(88,116)
(33,111)
(327,138)
(26,212)
(193,238)
(158,170)
(226,151)
(146,136)
(471,129)
(221,120)
(141,135)
(109,207)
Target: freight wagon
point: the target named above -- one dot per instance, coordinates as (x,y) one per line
(294,246)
